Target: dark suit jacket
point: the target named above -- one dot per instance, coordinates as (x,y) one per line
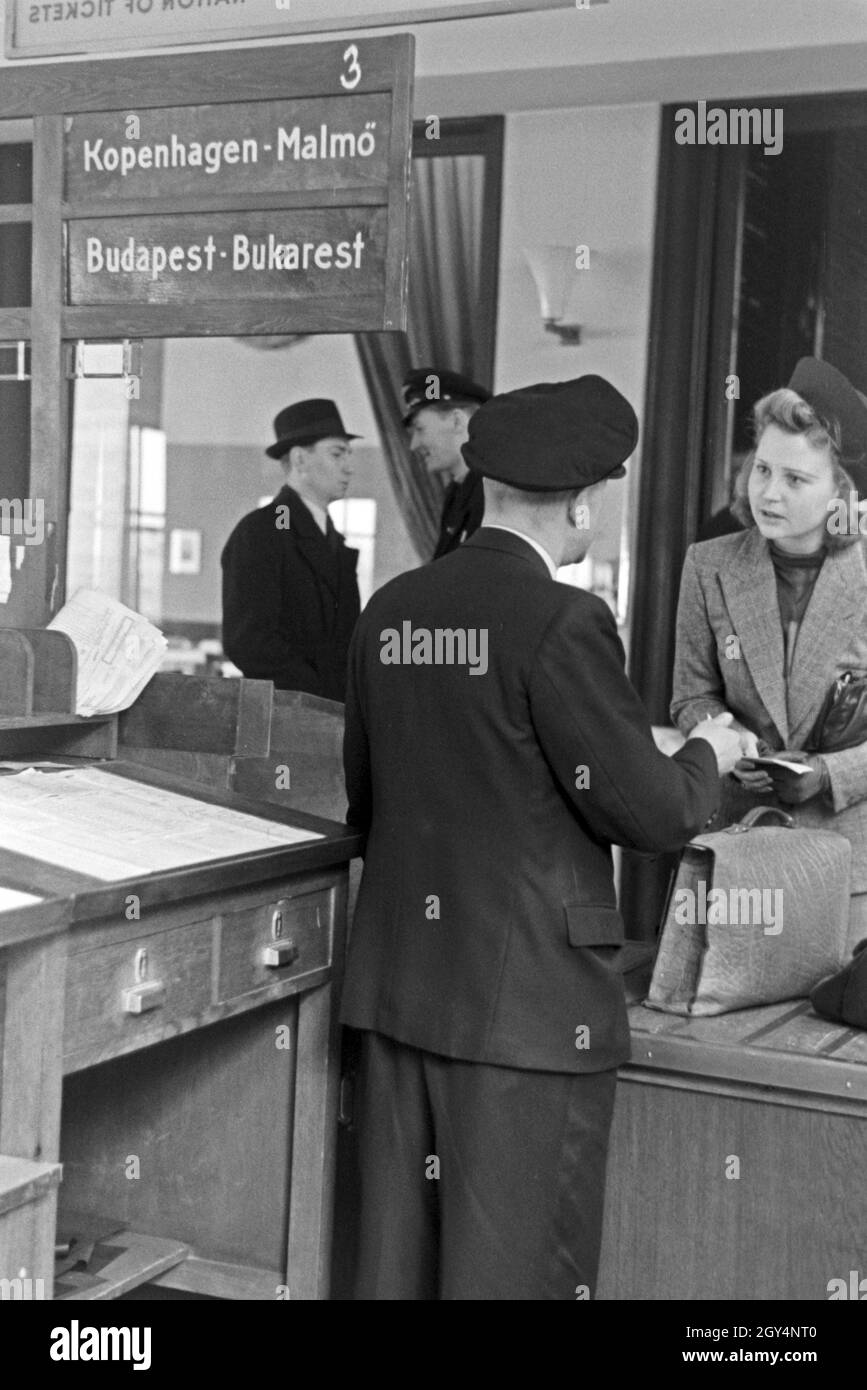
(729,656)
(466,787)
(290,600)
(463,509)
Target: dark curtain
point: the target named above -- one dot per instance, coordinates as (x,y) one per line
(443,322)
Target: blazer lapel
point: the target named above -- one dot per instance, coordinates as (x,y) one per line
(836,604)
(750,591)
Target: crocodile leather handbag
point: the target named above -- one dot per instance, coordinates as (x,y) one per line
(756,914)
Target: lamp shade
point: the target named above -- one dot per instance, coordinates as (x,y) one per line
(552,268)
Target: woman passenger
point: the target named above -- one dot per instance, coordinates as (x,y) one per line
(770,617)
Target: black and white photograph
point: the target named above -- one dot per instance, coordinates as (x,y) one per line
(433,671)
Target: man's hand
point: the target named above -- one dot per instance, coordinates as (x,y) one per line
(727,743)
(794,789)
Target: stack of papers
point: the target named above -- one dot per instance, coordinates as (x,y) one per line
(118,651)
(112,827)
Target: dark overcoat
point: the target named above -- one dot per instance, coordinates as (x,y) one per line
(290,599)
(487,925)
(463,509)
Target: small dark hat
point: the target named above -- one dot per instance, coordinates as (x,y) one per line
(304,423)
(425,386)
(554,436)
(834,398)
(843,997)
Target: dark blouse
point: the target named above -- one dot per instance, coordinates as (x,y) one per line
(795,575)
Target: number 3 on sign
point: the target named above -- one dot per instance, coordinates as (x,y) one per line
(352,76)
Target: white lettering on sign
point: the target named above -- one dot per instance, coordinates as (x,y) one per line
(176,153)
(248,253)
(272,254)
(327,144)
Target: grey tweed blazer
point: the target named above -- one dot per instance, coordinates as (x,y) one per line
(730,656)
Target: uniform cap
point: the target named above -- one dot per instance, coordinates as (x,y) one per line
(425,386)
(554,436)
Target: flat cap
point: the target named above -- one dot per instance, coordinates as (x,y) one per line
(425,386)
(834,399)
(554,436)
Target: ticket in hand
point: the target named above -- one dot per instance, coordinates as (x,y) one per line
(801,769)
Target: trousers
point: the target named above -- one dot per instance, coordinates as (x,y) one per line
(478,1182)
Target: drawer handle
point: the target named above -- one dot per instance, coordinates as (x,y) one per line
(279,953)
(141,998)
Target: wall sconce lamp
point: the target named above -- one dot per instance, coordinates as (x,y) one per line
(552,268)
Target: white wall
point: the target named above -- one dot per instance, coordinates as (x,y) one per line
(586,177)
(224,392)
(627,51)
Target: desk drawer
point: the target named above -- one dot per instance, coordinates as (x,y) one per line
(130,992)
(274,941)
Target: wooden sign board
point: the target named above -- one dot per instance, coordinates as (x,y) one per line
(299,204)
(43,27)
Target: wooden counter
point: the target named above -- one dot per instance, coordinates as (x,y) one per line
(776,1095)
(205,1119)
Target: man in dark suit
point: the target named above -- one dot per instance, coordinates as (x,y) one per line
(494,751)
(439,406)
(290,595)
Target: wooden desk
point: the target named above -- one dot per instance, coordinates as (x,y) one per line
(206,1123)
(785,1094)
(32,956)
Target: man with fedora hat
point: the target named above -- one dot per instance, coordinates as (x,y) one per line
(438,408)
(483,959)
(290,593)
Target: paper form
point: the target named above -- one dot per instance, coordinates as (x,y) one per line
(118,651)
(112,828)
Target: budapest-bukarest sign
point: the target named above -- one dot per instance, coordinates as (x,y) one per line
(298,205)
(87,26)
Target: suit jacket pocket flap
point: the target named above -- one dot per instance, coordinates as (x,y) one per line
(593,924)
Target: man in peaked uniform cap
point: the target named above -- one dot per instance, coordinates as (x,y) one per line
(439,406)
(494,751)
(290,594)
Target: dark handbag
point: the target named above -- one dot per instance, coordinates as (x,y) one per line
(842,720)
(843,997)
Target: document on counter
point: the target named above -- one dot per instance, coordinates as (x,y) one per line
(112,827)
(118,651)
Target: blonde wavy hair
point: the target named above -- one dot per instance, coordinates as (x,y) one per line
(790,412)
